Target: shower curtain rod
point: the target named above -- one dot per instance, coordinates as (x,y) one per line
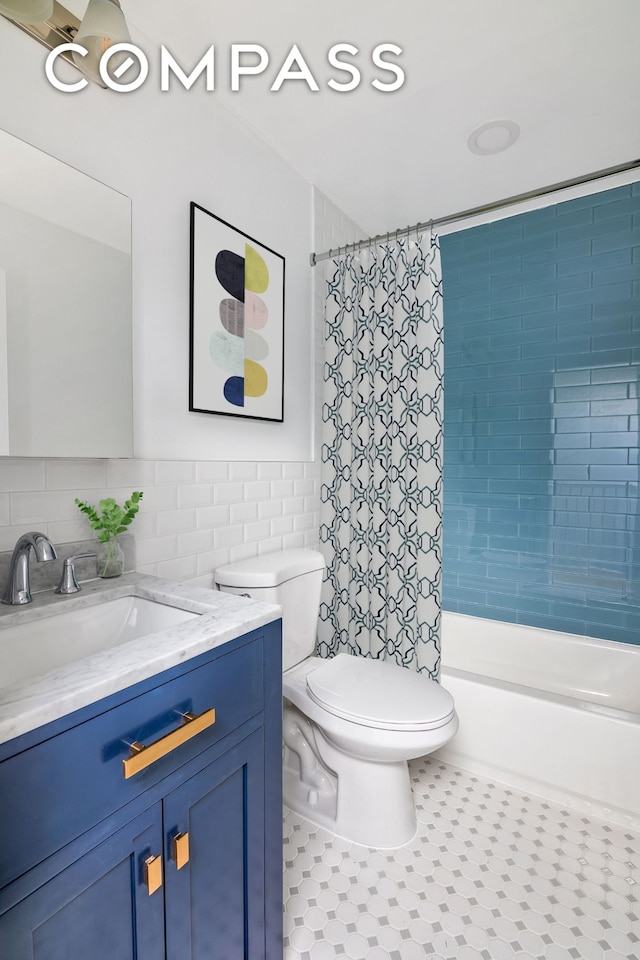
(475,211)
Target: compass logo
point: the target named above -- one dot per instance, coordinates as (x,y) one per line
(124,67)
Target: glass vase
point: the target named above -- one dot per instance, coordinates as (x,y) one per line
(110,558)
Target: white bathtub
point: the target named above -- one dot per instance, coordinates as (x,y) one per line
(551,713)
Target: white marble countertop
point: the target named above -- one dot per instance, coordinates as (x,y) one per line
(49,696)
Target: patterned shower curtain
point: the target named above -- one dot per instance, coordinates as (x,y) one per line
(381,514)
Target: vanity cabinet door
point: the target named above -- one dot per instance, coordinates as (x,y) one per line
(99,907)
(215,901)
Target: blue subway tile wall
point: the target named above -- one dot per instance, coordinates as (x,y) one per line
(542,413)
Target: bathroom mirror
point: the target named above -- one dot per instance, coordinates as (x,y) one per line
(65,310)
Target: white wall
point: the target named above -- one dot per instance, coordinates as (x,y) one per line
(195,514)
(215,489)
(164,150)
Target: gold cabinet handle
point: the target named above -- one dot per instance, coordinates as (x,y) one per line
(153,873)
(181,850)
(142,756)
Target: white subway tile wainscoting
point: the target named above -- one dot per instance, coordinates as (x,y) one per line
(194,516)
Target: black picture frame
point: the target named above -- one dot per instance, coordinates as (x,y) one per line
(236,322)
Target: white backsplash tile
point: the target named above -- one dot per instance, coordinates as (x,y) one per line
(195,542)
(243,471)
(257,490)
(211,517)
(159,498)
(257,531)
(71,474)
(195,494)
(16,474)
(242,552)
(228,537)
(228,493)
(207,562)
(292,471)
(42,506)
(270,471)
(270,508)
(146,526)
(292,541)
(212,471)
(160,548)
(243,512)
(175,521)
(65,531)
(282,488)
(312,503)
(268,546)
(302,487)
(175,471)
(193,516)
(282,525)
(180,568)
(134,474)
(293,505)
(303,521)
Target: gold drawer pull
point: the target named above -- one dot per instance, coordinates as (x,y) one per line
(181,850)
(153,873)
(142,756)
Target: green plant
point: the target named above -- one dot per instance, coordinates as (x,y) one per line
(112,519)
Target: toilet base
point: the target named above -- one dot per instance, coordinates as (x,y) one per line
(297,796)
(364,801)
(375,803)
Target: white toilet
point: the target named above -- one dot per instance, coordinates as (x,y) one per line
(350,724)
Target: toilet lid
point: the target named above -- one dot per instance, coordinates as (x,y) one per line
(379,694)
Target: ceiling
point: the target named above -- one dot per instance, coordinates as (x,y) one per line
(566,71)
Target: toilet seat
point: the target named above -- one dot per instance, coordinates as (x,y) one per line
(379,694)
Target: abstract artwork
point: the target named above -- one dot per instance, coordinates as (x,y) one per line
(237,322)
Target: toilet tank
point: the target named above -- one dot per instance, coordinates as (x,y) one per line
(291,578)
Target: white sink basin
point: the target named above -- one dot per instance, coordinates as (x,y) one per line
(35,647)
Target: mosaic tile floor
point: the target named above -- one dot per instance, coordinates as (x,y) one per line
(493,874)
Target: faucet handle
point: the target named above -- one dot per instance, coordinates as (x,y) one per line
(68,582)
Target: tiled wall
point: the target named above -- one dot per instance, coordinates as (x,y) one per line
(193,517)
(542,366)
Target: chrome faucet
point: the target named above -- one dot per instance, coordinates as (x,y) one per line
(17,589)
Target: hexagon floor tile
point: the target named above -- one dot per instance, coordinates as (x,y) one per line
(492,874)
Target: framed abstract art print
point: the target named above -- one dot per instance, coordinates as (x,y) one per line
(236,322)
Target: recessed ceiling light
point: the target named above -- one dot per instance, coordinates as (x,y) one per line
(493,137)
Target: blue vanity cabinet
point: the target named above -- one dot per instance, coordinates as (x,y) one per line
(185,860)
(218,896)
(99,907)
